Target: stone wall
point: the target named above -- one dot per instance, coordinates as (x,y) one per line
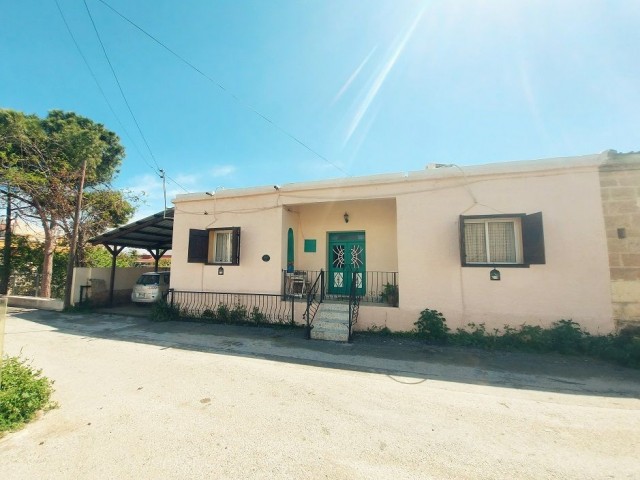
(620,193)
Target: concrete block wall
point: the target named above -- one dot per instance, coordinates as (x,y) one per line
(620,193)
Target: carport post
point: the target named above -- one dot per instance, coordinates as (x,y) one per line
(114,251)
(157,255)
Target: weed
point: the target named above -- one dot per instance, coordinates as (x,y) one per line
(238,314)
(432,326)
(161,311)
(222,313)
(257,316)
(23,392)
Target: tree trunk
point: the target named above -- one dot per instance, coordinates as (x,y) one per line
(6,268)
(49,249)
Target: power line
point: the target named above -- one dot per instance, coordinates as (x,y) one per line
(224,89)
(120,86)
(172,180)
(104,95)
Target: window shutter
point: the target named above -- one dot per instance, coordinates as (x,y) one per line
(533,239)
(198,246)
(463,254)
(235,255)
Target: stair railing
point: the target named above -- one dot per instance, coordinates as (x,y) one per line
(354,305)
(314,299)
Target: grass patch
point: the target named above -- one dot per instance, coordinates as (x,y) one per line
(23,392)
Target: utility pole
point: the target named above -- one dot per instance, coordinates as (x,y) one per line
(74,239)
(6,267)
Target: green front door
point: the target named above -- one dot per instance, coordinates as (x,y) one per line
(346,255)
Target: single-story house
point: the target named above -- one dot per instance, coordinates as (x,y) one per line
(501,244)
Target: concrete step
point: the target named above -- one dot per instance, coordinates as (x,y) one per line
(321,334)
(331,323)
(333,327)
(335,307)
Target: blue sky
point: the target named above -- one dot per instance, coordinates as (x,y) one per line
(369,86)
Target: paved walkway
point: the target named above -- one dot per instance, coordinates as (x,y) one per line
(187,400)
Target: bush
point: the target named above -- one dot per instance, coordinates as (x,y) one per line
(161,311)
(222,313)
(208,315)
(564,336)
(238,314)
(257,316)
(23,392)
(432,326)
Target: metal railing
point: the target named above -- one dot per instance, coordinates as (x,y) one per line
(315,296)
(379,287)
(354,305)
(233,307)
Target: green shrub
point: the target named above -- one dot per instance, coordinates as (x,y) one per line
(566,336)
(525,337)
(222,313)
(238,314)
(208,315)
(432,326)
(23,392)
(390,294)
(162,311)
(475,336)
(623,348)
(257,316)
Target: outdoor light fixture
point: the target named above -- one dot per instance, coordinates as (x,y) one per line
(220,271)
(346,217)
(494,274)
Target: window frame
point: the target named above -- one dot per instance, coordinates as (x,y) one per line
(515,219)
(531,239)
(235,245)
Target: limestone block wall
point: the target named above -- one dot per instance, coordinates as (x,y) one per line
(620,193)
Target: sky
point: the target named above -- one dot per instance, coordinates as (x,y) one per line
(254,92)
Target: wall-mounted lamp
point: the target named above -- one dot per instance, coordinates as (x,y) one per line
(346,217)
(494,274)
(220,271)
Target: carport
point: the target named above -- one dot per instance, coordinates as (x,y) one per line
(153,233)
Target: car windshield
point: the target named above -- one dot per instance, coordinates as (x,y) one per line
(149,280)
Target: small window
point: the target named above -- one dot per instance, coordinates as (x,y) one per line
(515,240)
(224,246)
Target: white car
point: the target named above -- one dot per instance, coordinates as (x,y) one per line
(150,287)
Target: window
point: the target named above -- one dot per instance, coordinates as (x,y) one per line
(218,246)
(515,240)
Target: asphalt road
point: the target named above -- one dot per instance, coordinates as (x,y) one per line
(142,400)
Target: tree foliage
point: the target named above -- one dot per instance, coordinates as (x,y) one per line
(40,160)
(98,256)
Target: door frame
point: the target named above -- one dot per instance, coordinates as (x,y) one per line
(347,278)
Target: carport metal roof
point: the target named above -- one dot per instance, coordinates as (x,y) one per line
(154,232)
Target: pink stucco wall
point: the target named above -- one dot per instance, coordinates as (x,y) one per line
(411,222)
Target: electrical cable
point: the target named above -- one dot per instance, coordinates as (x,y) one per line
(104,95)
(172,180)
(115,76)
(226,90)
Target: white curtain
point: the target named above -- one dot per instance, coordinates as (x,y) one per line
(502,242)
(475,242)
(223,247)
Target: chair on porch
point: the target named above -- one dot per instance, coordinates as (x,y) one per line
(296,284)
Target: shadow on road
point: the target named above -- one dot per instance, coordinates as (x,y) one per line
(403,360)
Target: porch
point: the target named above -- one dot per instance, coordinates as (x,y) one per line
(371,287)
